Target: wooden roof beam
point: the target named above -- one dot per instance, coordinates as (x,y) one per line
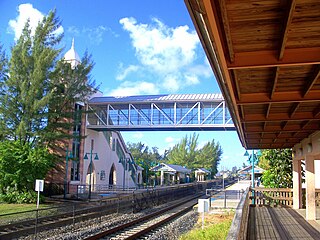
(316,112)
(289,129)
(283,126)
(226,27)
(287,23)
(268,110)
(312,82)
(279,97)
(275,80)
(279,117)
(262,59)
(237,86)
(294,109)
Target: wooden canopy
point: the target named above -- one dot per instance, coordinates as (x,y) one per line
(266,58)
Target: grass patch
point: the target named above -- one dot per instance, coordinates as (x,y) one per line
(6,208)
(216,227)
(13,208)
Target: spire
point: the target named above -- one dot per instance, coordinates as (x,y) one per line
(72,56)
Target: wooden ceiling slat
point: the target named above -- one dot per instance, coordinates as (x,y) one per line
(235,74)
(286,27)
(312,81)
(316,112)
(279,97)
(275,80)
(268,110)
(261,59)
(225,21)
(294,109)
(278,117)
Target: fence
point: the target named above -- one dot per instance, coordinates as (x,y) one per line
(279,196)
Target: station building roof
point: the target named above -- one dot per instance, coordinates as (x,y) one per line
(170,168)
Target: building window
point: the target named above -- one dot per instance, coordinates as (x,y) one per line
(102,175)
(113,144)
(75,166)
(75,176)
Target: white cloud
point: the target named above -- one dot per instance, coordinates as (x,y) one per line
(74,31)
(95,34)
(191,79)
(160,47)
(171,83)
(169,139)
(124,72)
(128,88)
(166,52)
(27,11)
(137,135)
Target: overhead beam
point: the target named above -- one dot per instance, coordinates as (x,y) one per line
(226,27)
(268,110)
(316,112)
(262,59)
(286,27)
(279,117)
(294,109)
(279,97)
(312,82)
(274,84)
(291,128)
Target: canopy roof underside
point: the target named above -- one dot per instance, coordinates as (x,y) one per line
(266,58)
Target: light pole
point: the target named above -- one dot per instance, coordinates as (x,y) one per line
(86,158)
(253,158)
(68,155)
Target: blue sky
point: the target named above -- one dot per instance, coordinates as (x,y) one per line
(139,47)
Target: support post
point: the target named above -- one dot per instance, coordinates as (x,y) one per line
(310,189)
(253,184)
(161,177)
(297,188)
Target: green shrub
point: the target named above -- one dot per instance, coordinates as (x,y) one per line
(14,196)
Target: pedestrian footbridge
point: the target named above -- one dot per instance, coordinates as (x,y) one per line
(169,112)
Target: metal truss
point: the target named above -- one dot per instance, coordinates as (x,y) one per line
(168,115)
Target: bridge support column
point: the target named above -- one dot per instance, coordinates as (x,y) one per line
(297,188)
(310,189)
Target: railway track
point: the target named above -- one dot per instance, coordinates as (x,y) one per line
(143,225)
(126,204)
(13,230)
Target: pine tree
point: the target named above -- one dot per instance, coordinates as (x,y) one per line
(186,153)
(38,94)
(42,89)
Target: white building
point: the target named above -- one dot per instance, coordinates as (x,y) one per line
(102,158)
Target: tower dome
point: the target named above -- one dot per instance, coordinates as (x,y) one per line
(72,56)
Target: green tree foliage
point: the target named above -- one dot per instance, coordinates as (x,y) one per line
(38,91)
(20,165)
(186,153)
(144,156)
(278,168)
(42,89)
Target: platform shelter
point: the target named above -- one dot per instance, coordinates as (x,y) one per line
(202,174)
(171,173)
